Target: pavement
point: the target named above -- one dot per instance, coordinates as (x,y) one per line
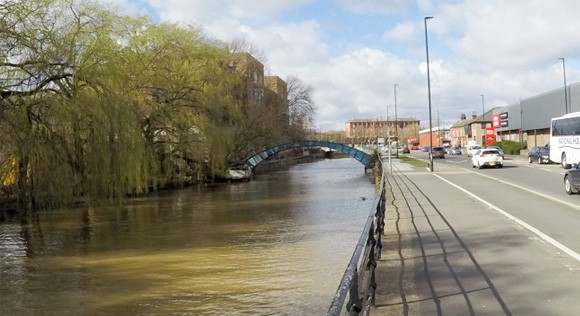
(442,257)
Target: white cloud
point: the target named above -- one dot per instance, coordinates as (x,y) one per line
(514,33)
(505,50)
(205,12)
(374,6)
(358,84)
(401,32)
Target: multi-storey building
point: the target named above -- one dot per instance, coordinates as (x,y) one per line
(371,128)
(276,96)
(260,90)
(253,72)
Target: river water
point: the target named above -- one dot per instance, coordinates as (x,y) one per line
(277,245)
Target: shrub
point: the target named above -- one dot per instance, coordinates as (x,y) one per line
(509,147)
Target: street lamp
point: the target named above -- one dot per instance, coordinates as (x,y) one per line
(565,90)
(396,123)
(429,95)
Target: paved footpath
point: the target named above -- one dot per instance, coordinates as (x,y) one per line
(443,258)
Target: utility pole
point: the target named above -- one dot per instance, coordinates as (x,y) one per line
(396,123)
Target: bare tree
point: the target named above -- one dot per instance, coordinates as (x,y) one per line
(302,109)
(241,45)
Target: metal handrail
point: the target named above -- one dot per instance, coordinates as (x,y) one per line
(358,280)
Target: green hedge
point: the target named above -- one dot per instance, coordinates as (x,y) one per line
(509,147)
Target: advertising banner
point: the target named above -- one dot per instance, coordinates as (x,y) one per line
(489,136)
(495,121)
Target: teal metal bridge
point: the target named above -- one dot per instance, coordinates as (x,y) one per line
(359,155)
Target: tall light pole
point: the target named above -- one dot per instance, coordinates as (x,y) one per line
(396,123)
(565,90)
(429,95)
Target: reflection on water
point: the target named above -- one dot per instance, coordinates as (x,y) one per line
(277,245)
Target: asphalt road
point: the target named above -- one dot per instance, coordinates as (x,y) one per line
(465,241)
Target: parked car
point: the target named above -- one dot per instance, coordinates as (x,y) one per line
(438,152)
(539,154)
(498,149)
(425,149)
(473,149)
(487,158)
(406,150)
(455,150)
(572,179)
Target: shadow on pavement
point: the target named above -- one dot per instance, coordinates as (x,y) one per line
(426,267)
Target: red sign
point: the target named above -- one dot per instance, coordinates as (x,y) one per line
(496,121)
(489,135)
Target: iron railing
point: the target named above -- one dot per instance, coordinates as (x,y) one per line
(358,281)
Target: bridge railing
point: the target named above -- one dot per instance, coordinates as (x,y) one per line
(358,281)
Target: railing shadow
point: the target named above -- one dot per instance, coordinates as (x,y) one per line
(426,249)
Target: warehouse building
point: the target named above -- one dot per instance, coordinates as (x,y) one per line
(529,120)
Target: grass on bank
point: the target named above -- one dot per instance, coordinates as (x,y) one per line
(413,161)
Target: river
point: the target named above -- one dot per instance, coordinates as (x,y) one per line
(277,245)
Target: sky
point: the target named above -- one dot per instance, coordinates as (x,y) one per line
(356,54)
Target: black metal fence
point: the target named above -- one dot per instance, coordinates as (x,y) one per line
(358,281)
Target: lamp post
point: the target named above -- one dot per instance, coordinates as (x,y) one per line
(429,95)
(565,90)
(396,123)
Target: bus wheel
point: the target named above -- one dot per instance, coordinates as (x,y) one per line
(565,164)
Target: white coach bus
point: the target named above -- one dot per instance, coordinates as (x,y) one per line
(565,139)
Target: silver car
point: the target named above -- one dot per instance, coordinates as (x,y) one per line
(438,152)
(455,150)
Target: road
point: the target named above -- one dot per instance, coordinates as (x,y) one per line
(465,241)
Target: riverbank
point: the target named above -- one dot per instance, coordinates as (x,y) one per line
(283,161)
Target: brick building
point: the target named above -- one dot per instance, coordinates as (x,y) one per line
(440,136)
(259,90)
(276,96)
(371,128)
(470,129)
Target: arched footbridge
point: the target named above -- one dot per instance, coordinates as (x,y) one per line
(359,155)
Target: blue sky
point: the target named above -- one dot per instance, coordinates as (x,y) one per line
(353,52)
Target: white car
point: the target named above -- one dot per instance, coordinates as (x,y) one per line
(487,158)
(498,149)
(472,150)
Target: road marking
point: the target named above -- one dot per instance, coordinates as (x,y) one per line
(531,228)
(545,196)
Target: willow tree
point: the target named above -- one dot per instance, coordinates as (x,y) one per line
(32,72)
(95,105)
(68,129)
(182,86)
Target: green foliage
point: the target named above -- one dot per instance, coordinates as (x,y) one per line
(509,147)
(94,105)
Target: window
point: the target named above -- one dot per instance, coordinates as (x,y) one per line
(566,127)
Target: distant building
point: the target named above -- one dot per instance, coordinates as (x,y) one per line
(439,137)
(472,129)
(371,128)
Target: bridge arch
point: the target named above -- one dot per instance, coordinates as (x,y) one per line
(359,155)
